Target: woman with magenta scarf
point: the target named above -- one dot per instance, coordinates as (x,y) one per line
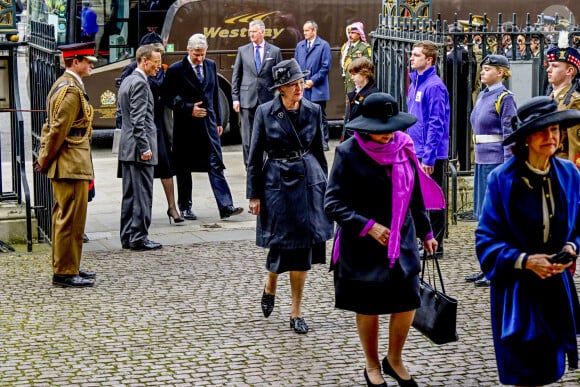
(379,197)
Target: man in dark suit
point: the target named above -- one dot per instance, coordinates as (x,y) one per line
(252,79)
(138,150)
(65,156)
(192,91)
(313,54)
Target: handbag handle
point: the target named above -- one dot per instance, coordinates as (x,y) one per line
(432,257)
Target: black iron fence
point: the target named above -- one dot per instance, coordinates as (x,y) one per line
(18,189)
(44,69)
(463,44)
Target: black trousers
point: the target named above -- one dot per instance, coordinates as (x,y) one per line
(438,217)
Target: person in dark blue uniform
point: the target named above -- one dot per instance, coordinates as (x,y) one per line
(491,120)
(530,213)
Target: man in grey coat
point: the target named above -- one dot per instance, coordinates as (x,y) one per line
(138,150)
(252,79)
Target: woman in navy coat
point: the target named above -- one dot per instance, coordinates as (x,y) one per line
(530,213)
(378,195)
(286,181)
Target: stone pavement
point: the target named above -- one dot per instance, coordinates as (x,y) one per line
(189,314)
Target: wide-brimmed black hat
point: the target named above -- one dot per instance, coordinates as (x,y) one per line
(380,114)
(537,114)
(287,72)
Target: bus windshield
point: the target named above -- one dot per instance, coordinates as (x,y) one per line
(115,26)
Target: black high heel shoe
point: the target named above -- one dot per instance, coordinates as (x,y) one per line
(371,384)
(387,369)
(176,219)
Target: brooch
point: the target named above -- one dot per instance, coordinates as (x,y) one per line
(280,115)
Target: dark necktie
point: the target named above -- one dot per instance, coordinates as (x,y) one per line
(199,74)
(258,59)
(309,45)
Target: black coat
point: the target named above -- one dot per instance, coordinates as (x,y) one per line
(355,100)
(193,138)
(291,191)
(360,190)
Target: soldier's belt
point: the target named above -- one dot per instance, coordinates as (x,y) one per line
(487,138)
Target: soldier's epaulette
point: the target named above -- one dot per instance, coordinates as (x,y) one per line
(66,83)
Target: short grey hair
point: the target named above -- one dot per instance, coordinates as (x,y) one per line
(197,42)
(312,24)
(258,23)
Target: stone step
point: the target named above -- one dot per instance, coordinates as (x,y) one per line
(13,224)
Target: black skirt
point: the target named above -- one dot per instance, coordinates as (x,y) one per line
(372,298)
(283,260)
(163,168)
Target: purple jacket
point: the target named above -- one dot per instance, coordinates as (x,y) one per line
(428,100)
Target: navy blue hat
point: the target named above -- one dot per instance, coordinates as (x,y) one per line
(379,115)
(150,38)
(538,113)
(495,60)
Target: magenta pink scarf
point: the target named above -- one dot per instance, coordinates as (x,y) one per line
(399,153)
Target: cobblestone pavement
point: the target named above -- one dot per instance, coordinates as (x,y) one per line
(189,315)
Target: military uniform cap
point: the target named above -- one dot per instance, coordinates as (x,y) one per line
(564,53)
(79,50)
(495,60)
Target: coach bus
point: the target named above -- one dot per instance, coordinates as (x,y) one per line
(225,22)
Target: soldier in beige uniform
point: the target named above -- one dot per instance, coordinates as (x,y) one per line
(65,156)
(355,47)
(563,70)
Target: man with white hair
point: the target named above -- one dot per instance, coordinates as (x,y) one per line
(192,90)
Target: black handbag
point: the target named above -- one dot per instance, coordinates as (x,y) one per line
(436,318)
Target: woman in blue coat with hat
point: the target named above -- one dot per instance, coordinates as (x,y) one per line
(531,213)
(379,196)
(286,181)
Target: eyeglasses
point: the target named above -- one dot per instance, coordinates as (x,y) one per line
(156,61)
(521,41)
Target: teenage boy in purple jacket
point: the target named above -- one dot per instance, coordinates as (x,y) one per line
(428,100)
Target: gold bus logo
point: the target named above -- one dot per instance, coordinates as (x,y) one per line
(246,18)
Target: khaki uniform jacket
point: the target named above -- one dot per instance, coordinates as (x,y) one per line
(573,133)
(63,152)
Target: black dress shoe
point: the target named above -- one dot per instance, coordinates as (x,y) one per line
(474,277)
(371,384)
(125,245)
(145,244)
(87,274)
(267,303)
(387,369)
(482,283)
(72,281)
(85,238)
(188,214)
(228,211)
(299,325)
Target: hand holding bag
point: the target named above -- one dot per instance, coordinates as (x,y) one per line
(436,318)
